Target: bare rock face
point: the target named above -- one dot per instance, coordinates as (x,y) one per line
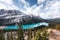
(10,16)
(14,16)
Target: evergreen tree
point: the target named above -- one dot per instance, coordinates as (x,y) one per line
(44,35)
(20,32)
(29,34)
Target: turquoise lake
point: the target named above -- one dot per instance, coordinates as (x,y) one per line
(27,26)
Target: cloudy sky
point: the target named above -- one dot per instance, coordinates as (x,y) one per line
(47,9)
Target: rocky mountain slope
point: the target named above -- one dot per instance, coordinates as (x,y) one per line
(14,16)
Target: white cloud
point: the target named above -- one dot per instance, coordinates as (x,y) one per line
(40,1)
(7,4)
(7,1)
(11,7)
(28,9)
(37,10)
(26,4)
(23,1)
(31,10)
(2,6)
(50,10)
(53,11)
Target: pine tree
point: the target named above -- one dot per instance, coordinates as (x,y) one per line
(20,32)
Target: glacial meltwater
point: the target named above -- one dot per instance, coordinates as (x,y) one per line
(26,26)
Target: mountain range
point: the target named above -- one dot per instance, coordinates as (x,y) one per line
(8,17)
(11,17)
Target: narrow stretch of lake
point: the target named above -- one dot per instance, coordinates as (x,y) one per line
(27,26)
